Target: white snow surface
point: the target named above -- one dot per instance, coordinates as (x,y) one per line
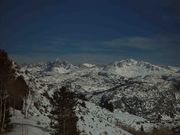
(34,125)
(88,65)
(133,68)
(94,120)
(43,79)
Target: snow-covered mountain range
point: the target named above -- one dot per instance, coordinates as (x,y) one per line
(133,68)
(140,92)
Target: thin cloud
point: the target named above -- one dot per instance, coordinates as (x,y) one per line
(155,48)
(145,43)
(133,42)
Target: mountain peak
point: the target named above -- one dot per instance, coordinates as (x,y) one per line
(59,66)
(125,62)
(88,65)
(134,68)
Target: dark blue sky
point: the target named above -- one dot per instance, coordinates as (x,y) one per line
(96,31)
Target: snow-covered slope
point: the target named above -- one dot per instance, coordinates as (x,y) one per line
(143,99)
(135,88)
(94,120)
(133,68)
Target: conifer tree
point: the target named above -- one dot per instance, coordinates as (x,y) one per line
(104,103)
(12,89)
(6,74)
(7,125)
(64,120)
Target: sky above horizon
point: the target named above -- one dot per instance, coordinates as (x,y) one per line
(94,31)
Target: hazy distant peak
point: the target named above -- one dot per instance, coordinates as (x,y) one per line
(88,65)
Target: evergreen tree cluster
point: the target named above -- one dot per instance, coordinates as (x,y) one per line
(9,90)
(6,75)
(104,103)
(64,119)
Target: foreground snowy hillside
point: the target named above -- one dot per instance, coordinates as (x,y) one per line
(142,95)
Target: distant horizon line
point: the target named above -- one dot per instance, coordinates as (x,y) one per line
(95,63)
